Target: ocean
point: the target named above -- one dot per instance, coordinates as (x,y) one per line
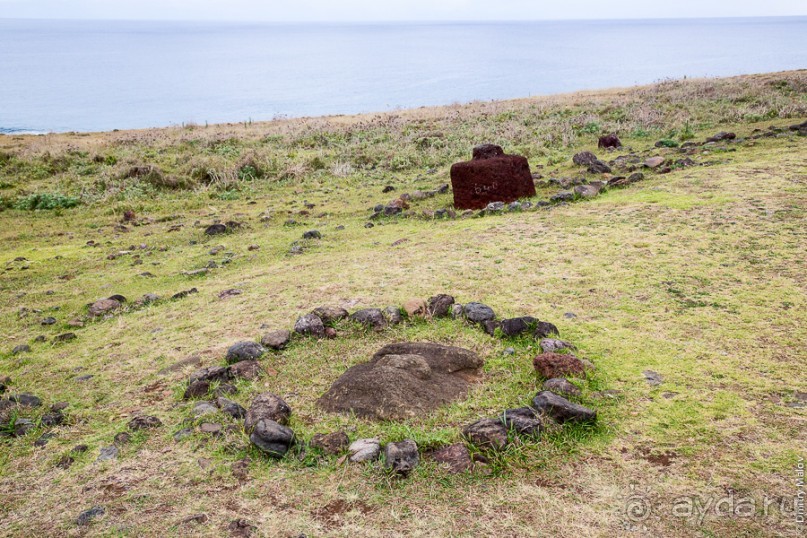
(60,76)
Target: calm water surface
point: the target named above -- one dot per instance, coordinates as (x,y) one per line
(100,75)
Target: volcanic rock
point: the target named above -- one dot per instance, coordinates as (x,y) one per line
(561,386)
(311,325)
(549,365)
(609,141)
(244,351)
(516,326)
(401,458)
(456,457)
(330,314)
(478,312)
(523,421)
(440,305)
(561,409)
(486,433)
(249,370)
(103,306)
(364,450)
(372,317)
(403,380)
(276,340)
(272,438)
(267,406)
(491,176)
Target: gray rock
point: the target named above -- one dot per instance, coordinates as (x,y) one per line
(553,345)
(144,422)
(401,458)
(457,311)
(22,348)
(310,325)
(562,196)
(276,340)
(182,434)
(523,421)
(204,408)
(584,158)
(545,329)
(108,453)
(478,312)
(330,314)
(587,191)
(599,167)
(245,351)
(87,516)
(561,386)
(486,433)
(231,408)
(272,438)
(372,317)
(561,409)
(25,399)
(364,450)
(494,207)
(267,406)
(653,378)
(312,234)
(393,315)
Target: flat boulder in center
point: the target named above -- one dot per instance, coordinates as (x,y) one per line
(403,380)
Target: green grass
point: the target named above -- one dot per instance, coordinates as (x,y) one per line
(697,274)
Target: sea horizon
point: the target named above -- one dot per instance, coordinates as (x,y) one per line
(88,75)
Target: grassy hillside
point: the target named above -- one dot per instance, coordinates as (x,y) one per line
(697,274)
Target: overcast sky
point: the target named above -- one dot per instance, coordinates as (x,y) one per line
(395,10)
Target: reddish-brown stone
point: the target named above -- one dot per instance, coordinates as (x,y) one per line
(491,176)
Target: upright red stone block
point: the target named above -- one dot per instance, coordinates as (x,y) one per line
(491,176)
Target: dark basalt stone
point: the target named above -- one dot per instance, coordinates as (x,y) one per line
(267,406)
(401,458)
(245,351)
(561,409)
(491,177)
(144,422)
(487,151)
(609,141)
(545,329)
(523,420)
(486,433)
(372,317)
(516,326)
(216,229)
(272,438)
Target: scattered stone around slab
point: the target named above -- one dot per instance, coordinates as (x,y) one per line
(364,450)
(276,340)
(560,409)
(245,351)
(267,406)
(401,458)
(271,437)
